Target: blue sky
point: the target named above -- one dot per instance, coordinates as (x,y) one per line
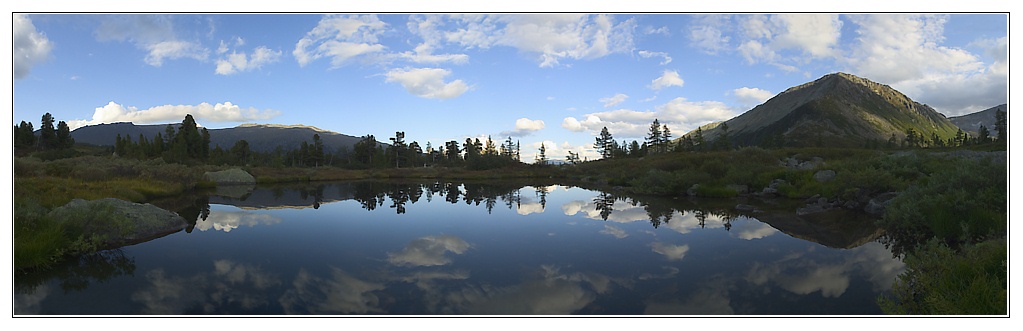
(555,79)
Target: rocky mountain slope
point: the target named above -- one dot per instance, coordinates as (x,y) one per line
(836,110)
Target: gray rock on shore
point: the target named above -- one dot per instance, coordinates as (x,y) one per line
(114,223)
(230,177)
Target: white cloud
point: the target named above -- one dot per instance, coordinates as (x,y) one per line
(173,50)
(678,114)
(661,30)
(648,54)
(905,52)
(151,33)
(612,101)
(525,126)
(708,39)
(550,37)
(342,39)
(428,28)
(668,78)
(239,62)
(30,47)
(221,112)
(707,32)
(693,114)
(787,41)
(750,97)
(427,82)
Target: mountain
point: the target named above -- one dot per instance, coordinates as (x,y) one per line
(261,137)
(836,110)
(971,123)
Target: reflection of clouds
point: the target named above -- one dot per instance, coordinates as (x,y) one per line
(428,251)
(672,252)
(877,263)
(526,208)
(686,223)
(623,212)
(229,220)
(340,294)
(709,299)
(553,293)
(669,272)
(614,231)
(550,188)
(230,284)
(29,303)
(751,229)
(802,276)
(426,280)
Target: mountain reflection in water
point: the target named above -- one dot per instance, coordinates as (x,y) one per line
(457,248)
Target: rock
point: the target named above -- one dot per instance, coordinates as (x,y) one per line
(814,199)
(692,190)
(114,223)
(851,205)
(824,175)
(810,209)
(742,207)
(769,191)
(230,177)
(877,205)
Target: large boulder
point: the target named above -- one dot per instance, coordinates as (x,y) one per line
(112,223)
(230,177)
(877,205)
(824,175)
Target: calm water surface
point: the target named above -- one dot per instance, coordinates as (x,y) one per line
(370,248)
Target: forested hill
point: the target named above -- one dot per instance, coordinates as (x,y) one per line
(261,137)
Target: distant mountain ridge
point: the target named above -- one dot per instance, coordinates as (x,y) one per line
(971,123)
(261,137)
(836,110)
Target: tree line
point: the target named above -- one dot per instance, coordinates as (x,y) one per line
(658,141)
(50,137)
(186,143)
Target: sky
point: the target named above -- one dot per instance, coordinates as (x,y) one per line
(555,79)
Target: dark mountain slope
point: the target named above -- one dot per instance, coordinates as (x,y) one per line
(261,137)
(971,122)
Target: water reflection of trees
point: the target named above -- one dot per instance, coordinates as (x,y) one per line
(78,274)
(399,196)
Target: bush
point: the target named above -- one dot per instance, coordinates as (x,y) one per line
(963,203)
(940,281)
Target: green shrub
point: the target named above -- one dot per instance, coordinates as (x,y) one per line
(715,191)
(940,281)
(964,202)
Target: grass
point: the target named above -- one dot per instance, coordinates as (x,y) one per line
(40,186)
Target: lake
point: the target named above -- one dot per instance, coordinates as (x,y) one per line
(494,248)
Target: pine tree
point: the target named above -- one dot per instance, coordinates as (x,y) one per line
(605,144)
(983,135)
(47,132)
(1002,125)
(654,138)
(541,158)
(665,139)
